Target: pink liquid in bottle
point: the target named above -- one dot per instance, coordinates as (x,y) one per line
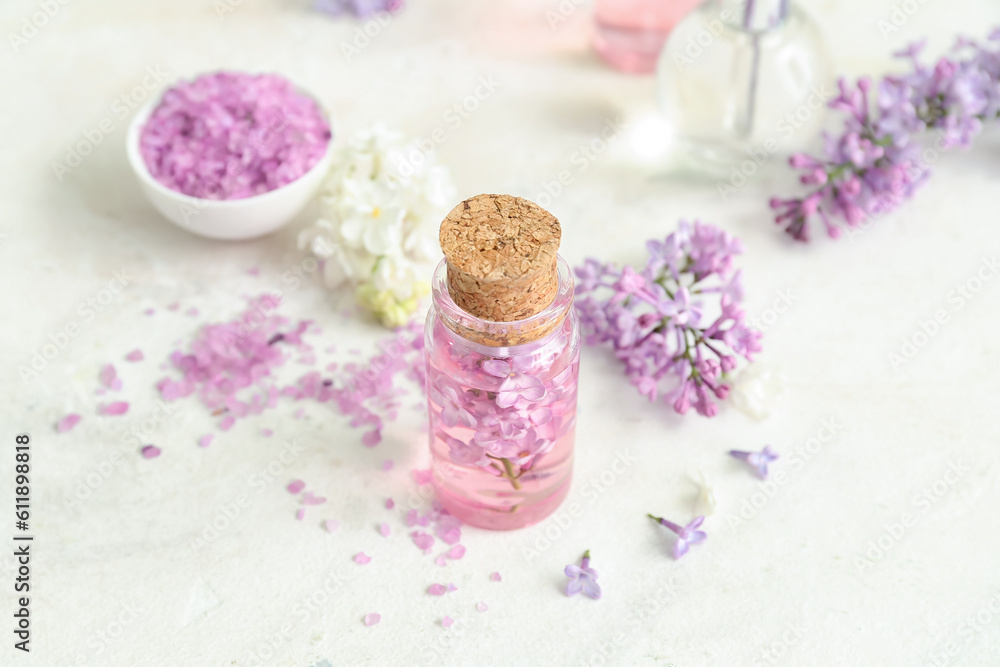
(629,34)
(502,418)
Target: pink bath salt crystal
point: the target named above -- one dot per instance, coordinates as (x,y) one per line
(295,486)
(383,529)
(423,477)
(440,561)
(100,391)
(452,587)
(109,377)
(436,589)
(300,514)
(456,552)
(135,355)
(227,423)
(114,409)
(481,606)
(298,413)
(447,621)
(371,438)
(150,452)
(230,135)
(388,464)
(331,525)
(253,271)
(192,312)
(361,558)
(389,503)
(149,311)
(174,306)
(411,518)
(495,576)
(67,423)
(311,498)
(205,440)
(266,432)
(451,535)
(423,540)
(332,366)
(372,619)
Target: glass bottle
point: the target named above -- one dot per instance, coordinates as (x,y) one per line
(743,80)
(501,394)
(629,34)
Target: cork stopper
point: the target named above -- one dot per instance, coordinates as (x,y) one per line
(501,255)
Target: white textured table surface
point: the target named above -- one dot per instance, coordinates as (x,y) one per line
(116,580)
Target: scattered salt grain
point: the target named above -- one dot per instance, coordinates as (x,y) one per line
(67,423)
(113,409)
(150,452)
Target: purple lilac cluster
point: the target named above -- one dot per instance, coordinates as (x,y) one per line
(880,158)
(513,424)
(659,322)
(230,135)
(360,8)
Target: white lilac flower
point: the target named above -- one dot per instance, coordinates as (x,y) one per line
(378,229)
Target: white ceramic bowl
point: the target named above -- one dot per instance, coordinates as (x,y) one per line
(230,219)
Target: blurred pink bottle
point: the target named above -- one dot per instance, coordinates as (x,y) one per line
(630,34)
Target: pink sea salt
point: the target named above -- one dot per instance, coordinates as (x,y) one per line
(372,619)
(389,503)
(361,558)
(67,423)
(150,452)
(371,438)
(447,621)
(113,409)
(311,498)
(205,440)
(423,540)
(436,589)
(295,486)
(135,355)
(300,514)
(422,477)
(383,529)
(456,552)
(331,525)
(227,423)
(481,606)
(230,135)
(388,464)
(109,377)
(495,576)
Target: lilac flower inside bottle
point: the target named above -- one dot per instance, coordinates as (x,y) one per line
(503,353)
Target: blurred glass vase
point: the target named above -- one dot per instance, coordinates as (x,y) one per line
(743,80)
(629,34)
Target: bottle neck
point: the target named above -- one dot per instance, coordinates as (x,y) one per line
(753,15)
(502,334)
